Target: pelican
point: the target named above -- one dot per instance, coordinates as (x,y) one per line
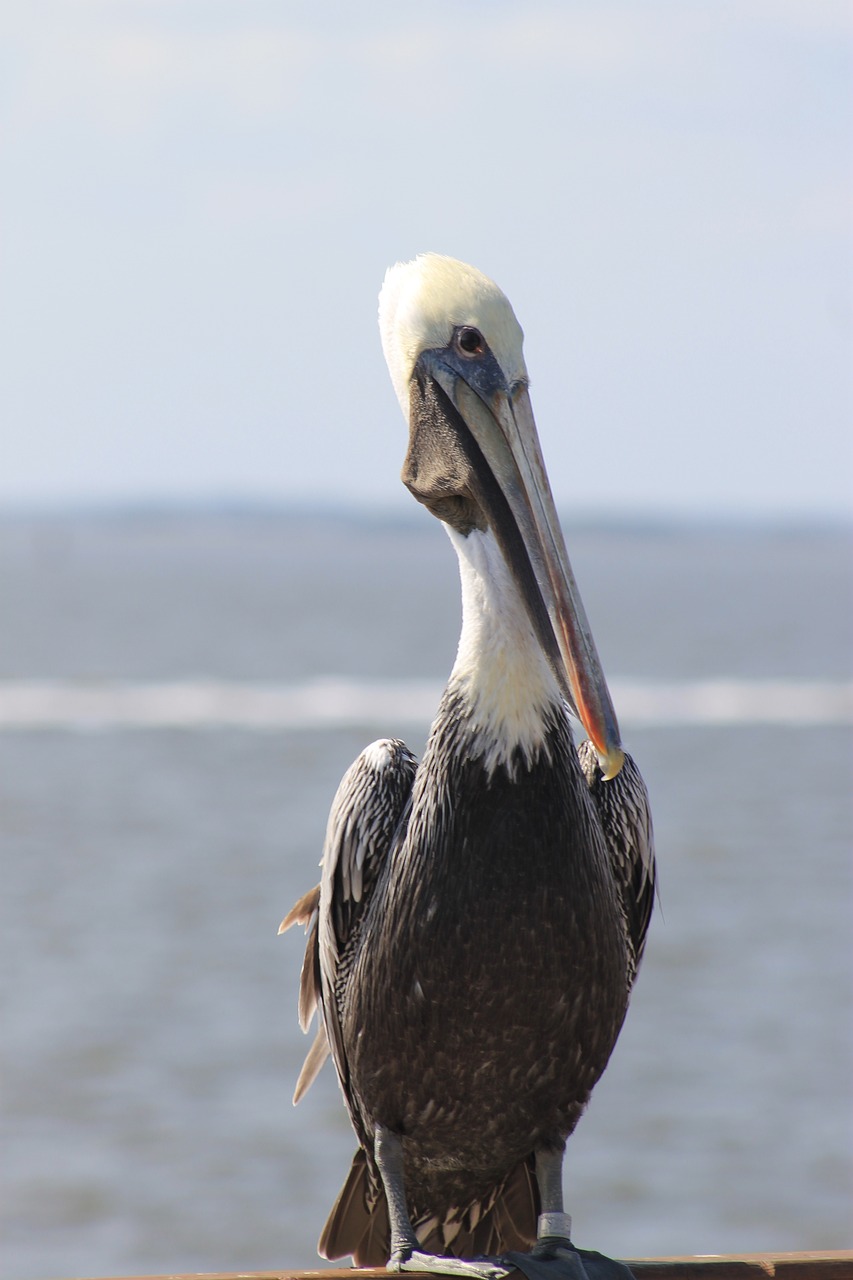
(476,933)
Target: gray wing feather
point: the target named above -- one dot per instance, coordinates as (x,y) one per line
(369,804)
(317,1055)
(306,911)
(626,819)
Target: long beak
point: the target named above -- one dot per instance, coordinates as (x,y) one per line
(502,424)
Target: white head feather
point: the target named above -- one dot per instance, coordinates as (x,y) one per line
(423,301)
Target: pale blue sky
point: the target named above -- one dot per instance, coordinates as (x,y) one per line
(199,200)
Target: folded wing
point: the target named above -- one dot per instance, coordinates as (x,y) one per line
(369,806)
(623,809)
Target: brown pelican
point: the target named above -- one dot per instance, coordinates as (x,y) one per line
(480,918)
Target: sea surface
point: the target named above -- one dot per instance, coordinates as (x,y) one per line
(180,694)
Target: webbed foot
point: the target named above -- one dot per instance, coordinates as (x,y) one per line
(556,1258)
(407,1259)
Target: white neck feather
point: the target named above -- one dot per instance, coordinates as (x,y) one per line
(500,667)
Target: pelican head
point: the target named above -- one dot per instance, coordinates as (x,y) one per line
(454,352)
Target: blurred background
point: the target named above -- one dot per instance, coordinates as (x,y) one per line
(214,591)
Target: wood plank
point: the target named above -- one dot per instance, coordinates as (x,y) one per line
(818,1265)
(837,1265)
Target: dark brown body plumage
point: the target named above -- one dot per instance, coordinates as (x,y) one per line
(509,966)
(480,987)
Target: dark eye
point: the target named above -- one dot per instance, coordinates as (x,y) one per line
(471,341)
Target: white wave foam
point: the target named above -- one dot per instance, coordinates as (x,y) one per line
(334,703)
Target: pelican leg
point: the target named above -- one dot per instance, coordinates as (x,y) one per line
(554,1228)
(388,1150)
(405,1254)
(554,1257)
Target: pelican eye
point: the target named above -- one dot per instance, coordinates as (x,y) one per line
(470,341)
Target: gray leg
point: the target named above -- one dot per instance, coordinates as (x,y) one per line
(388,1150)
(554,1228)
(405,1254)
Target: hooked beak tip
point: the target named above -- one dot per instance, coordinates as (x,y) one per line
(610,762)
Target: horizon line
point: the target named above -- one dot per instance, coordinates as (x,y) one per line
(237,506)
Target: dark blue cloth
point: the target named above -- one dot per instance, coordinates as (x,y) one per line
(581,1264)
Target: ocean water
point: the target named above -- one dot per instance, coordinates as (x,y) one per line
(179,696)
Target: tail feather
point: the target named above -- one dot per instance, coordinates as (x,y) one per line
(516,1211)
(505,1219)
(358,1223)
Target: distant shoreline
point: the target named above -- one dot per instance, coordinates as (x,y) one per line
(408,516)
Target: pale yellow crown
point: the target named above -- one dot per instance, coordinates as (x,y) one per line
(423,301)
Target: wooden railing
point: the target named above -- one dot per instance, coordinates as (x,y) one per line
(830,1265)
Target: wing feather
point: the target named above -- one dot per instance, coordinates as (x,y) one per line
(626,819)
(368,807)
(306,911)
(317,1055)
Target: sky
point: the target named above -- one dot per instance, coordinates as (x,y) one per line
(199,199)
